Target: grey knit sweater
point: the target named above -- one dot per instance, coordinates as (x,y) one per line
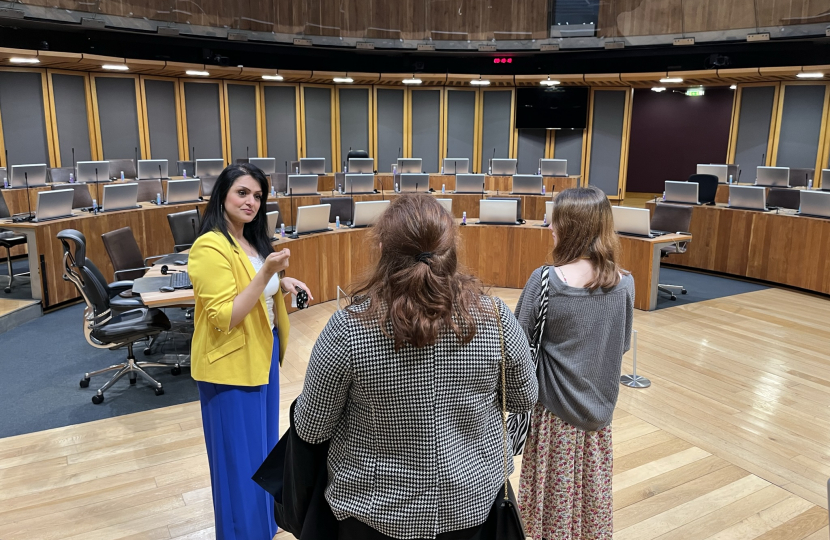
(586,334)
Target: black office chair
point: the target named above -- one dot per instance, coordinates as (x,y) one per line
(801,177)
(103,327)
(784,198)
(127,166)
(60,175)
(340,206)
(518,205)
(8,240)
(125,255)
(81,199)
(185,228)
(707,187)
(207,185)
(357,154)
(189,166)
(148,189)
(674,218)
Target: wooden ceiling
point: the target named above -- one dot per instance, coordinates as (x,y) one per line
(712,77)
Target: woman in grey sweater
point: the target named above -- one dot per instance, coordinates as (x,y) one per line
(565,489)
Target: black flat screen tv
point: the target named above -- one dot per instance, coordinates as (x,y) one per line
(562,107)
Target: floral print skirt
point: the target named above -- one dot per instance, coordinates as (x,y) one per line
(565,489)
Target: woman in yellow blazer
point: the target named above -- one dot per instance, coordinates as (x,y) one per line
(239,340)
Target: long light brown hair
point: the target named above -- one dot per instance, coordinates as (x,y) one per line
(584,227)
(417,288)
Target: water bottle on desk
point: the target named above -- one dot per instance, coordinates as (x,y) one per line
(394,169)
(336,222)
(396,188)
(122,176)
(543,189)
(282,230)
(158,198)
(730,178)
(810,183)
(71,178)
(94,206)
(184,173)
(273,191)
(5,183)
(443,188)
(664,195)
(463,218)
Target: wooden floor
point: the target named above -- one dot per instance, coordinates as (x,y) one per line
(732,441)
(9,305)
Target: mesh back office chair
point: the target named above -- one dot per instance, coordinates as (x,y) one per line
(707,188)
(672,218)
(148,189)
(185,228)
(8,240)
(60,175)
(103,326)
(81,198)
(340,206)
(518,205)
(189,166)
(125,255)
(784,198)
(207,184)
(800,177)
(126,165)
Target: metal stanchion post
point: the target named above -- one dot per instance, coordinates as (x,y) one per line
(634,380)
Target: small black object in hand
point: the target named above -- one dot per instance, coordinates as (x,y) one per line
(302,299)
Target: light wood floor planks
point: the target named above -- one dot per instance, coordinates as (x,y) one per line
(731,442)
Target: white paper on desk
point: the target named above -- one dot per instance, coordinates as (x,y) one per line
(293,300)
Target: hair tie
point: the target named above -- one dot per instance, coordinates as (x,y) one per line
(424,257)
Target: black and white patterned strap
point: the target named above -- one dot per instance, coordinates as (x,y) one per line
(518,424)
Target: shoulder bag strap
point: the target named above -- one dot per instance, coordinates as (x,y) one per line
(503,396)
(539,327)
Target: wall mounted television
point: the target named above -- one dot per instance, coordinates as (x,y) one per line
(561,107)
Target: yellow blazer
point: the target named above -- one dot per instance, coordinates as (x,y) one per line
(239,356)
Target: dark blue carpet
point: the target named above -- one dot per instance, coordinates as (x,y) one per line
(700,287)
(22,289)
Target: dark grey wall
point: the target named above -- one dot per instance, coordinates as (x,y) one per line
(531,149)
(354,121)
(204,124)
(161,120)
(461,114)
(798,140)
(496,125)
(71,117)
(281,123)
(118,117)
(318,123)
(753,128)
(567,144)
(606,140)
(242,114)
(389,128)
(426,122)
(24,122)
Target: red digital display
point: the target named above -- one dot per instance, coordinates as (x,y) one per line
(502,60)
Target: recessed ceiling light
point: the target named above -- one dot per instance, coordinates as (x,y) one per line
(273,77)
(411,81)
(343,80)
(810,75)
(20,60)
(480,82)
(733,87)
(549,82)
(671,80)
(116,67)
(659,89)
(197,73)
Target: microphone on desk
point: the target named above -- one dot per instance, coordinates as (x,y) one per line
(739,174)
(293,234)
(159,171)
(195,232)
(382,194)
(74,170)
(399,152)
(193,155)
(247,153)
(28,200)
(97,190)
(136,161)
(763,159)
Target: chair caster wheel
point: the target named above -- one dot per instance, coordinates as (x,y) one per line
(148,351)
(684,291)
(7,290)
(176,371)
(133,380)
(159,391)
(84,383)
(96,399)
(673,298)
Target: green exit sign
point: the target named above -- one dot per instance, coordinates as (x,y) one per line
(695,92)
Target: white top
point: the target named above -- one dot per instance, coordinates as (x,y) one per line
(270,289)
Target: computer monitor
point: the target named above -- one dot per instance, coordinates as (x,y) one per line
(409,182)
(183,191)
(119,196)
(302,184)
(368,212)
(469,183)
(527,184)
(209,167)
(456,165)
(360,183)
(149,169)
(314,218)
(721,171)
(361,165)
(497,212)
(553,167)
(32,175)
(632,221)
(92,171)
(825,180)
(309,165)
(503,167)
(409,165)
(682,192)
(54,204)
(273,222)
(772,176)
(447,204)
(814,203)
(548,211)
(748,197)
(268,165)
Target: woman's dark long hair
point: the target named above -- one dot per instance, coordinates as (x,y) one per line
(255,232)
(418,287)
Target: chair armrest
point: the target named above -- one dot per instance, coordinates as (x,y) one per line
(154,257)
(181,247)
(142,269)
(120,286)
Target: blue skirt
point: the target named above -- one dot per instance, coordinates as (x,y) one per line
(241,425)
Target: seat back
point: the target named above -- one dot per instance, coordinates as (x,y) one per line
(294,166)
(800,177)
(340,206)
(185,228)
(672,217)
(784,198)
(189,166)
(518,204)
(148,189)
(207,184)
(81,198)
(280,182)
(124,253)
(4,209)
(273,206)
(83,273)
(60,175)
(357,154)
(707,187)
(126,165)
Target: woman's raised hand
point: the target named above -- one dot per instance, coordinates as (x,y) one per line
(276,262)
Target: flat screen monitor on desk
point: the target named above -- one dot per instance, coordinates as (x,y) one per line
(498,212)
(682,192)
(503,167)
(149,169)
(527,184)
(367,213)
(409,165)
(361,165)
(772,176)
(825,179)
(814,203)
(273,221)
(456,165)
(119,197)
(54,204)
(312,165)
(32,175)
(360,183)
(209,167)
(549,211)
(302,184)
(721,171)
(413,182)
(86,171)
(633,222)
(447,204)
(183,191)
(314,218)
(748,197)
(268,165)
(469,183)
(553,167)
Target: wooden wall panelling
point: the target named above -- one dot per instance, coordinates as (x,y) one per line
(323,18)
(709,15)
(622,18)
(787,12)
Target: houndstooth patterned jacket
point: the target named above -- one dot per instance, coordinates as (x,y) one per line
(416,435)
